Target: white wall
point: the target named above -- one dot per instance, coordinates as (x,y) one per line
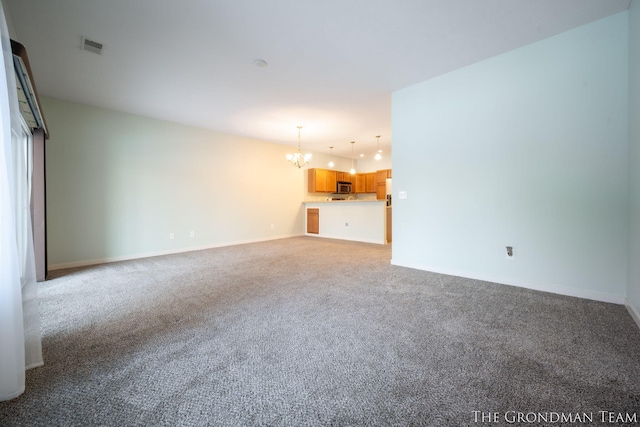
(372,165)
(321,160)
(633,287)
(118,184)
(527,149)
(7,17)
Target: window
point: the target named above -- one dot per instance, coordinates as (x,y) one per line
(23,172)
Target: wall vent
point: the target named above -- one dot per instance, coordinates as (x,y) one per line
(91,46)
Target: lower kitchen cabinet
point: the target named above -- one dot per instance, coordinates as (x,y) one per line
(313,220)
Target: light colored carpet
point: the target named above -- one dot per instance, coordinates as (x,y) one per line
(308,331)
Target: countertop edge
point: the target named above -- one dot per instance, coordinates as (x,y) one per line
(344,201)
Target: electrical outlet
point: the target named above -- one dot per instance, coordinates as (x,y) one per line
(510,253)
(402,195)
(192,234)
(172,236)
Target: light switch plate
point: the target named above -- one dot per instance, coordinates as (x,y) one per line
(402,195)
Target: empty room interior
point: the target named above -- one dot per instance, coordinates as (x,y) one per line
(320,212)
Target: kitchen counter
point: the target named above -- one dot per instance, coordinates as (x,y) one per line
(358,220)
(345,201)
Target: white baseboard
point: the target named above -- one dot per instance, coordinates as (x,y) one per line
(633,312)
(98,261)
(555,289)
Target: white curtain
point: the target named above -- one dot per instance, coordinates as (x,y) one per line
(20,339)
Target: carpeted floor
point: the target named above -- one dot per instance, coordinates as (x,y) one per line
(308,331)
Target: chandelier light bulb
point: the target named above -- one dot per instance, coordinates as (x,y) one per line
(378,156)
(331,164)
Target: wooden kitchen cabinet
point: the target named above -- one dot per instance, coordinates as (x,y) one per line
(382,175)
(343,176)
(365,183)
(370,182)
(325,180)
(313,221)
(360,184)
(381,183)
(317,180)
(331,181)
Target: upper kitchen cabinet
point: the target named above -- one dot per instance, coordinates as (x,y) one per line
(359,184)
(370,182)
(322,180)
(345,177)
(325,181)
(365,183)
(382,175)
(319,181)
(331,180)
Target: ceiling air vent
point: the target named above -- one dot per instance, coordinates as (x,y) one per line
(91,46)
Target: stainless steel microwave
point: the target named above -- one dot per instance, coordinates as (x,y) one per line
(343,187)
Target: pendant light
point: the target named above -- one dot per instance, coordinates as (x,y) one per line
(331,164)
(378,156)
(298,159)
(352,171)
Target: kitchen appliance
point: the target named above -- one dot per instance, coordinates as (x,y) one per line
(343,187)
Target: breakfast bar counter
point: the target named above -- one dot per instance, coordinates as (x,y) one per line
(357,220)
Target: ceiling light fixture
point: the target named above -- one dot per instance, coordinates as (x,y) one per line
(298,159)
(352,171)
(331,164)
(378,156)
(260,63)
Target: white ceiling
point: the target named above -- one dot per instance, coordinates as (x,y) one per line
(332,64)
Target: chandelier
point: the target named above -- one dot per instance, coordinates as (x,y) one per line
(298,159)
